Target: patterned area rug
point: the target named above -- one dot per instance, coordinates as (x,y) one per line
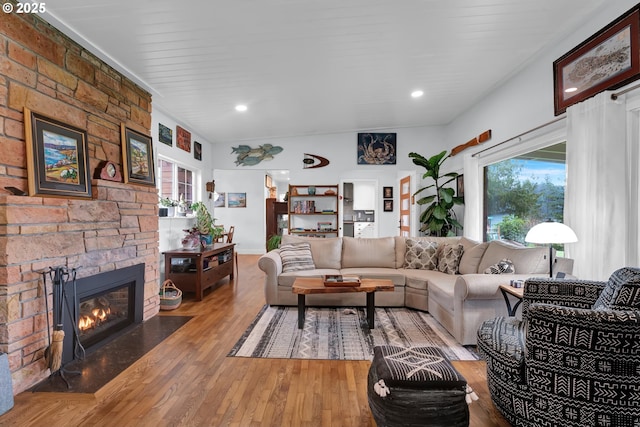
(342,334)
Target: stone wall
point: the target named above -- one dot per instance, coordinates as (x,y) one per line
(46,72)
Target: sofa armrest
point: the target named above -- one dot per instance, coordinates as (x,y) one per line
(483,286)
(271,264)
(569,293)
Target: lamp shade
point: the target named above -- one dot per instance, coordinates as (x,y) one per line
(551,232)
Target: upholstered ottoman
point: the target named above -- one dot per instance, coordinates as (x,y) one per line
(416,386)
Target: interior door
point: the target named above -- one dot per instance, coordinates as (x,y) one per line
(405,206)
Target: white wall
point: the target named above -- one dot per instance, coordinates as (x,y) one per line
(340,149)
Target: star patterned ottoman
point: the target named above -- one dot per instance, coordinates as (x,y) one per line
(416,386)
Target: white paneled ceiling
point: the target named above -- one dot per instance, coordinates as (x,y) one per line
(316,66)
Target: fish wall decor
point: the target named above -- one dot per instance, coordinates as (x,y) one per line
(247,156)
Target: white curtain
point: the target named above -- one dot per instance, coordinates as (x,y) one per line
(596,197)
(472,198)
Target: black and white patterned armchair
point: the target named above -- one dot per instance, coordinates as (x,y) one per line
(573,359)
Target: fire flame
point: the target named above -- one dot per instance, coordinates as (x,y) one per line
(98,316)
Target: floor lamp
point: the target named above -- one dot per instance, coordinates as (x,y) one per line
(548,233)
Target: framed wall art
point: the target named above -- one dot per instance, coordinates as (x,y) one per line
(165,135)
(236,200)
(137,157)
(460,186)
(183,139)
(607,60)
(388,206)
(376,148)
(197,150)
(57,158)
(387,192)
(219,201)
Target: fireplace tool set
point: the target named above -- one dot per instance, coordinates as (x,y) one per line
(60,276)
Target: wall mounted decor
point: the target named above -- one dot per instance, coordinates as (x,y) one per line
(57,158)
(137,156)
(387,192)
(109,171)
(607,60)
(460,186)
(312,161)
(484,136)
(388,206)
(183,139)
(218,201)
(197,150)
(165,135)
(237,200)
(376,148)
(248,156)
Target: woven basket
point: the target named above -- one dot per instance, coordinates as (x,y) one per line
(170,296)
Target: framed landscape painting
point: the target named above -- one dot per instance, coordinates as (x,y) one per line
(57,158)
(236,200)
(137,157)
(165,134)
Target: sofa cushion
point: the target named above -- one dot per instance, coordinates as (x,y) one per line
(392,274)
(472,255)
(365,252)
(296,257)
(622,291)
(287,279)
(326,253)
(401,247)
(421,255)
(504,266)
(526,260)
(449,258)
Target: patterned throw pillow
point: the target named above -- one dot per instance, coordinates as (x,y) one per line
(449,258)
(622,291)
(421,255)
(296,257)
(504,266)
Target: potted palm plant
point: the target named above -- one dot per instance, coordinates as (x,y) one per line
(439,219)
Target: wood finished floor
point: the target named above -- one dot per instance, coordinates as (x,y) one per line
(187,380)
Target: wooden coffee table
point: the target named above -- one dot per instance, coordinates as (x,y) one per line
(315,285)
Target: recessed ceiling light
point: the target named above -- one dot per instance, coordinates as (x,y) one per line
(417,94)
(571,89)
(241,107)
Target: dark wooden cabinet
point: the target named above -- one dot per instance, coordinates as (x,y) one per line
(194,270)
(276,217)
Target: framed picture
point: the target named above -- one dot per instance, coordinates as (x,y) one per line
(460,186)
(607,60)
(165,135)
(137,157)
(57,158)
(388,206)
(183,139)
(387,192)
(237,200)
(197,150)
(376,148)
(219,201)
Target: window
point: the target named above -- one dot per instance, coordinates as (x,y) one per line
(175,180)
(523,191)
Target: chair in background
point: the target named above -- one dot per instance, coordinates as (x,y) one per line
(232,229)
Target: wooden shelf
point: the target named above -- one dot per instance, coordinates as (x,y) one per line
(303,206)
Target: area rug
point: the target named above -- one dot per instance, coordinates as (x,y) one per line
(342,334)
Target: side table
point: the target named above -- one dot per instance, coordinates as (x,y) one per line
(517,293)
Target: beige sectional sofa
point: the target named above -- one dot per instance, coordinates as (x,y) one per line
(460,301)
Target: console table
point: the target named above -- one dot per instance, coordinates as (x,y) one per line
(194,270)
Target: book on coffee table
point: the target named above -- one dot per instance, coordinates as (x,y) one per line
(341,280)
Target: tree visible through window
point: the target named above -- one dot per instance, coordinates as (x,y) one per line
(523,191)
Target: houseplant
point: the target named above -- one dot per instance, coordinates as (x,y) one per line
(169,204)
(439,219)
(205,225)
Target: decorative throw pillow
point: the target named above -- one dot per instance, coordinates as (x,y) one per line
(421,255)
(296,257)
(504,266)
(449,258)
(622,291)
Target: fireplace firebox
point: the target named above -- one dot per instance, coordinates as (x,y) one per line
(106,305)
